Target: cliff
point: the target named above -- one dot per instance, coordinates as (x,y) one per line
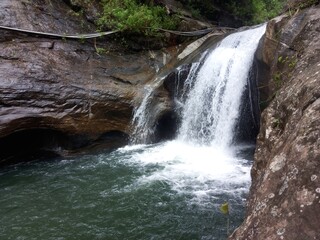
(59,95)
(284,198)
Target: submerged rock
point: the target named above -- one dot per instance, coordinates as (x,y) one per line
(284,200)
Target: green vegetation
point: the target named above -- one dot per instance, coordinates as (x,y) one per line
(264,10)
(249,12)
(134,16)
(285,68)
(146,16)
(277,123)
(100,50)
(255,11)
(296,5)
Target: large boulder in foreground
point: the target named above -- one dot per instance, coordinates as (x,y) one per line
(59,95)
(284,200)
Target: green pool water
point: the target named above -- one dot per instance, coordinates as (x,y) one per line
(163,191)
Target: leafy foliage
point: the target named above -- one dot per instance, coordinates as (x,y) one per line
(205,8)
(134,16)
(145,16)
(255,11)
(266,9)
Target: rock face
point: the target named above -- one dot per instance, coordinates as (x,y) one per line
(284,200)
(60,94)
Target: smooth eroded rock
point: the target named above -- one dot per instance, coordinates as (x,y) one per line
(64,90)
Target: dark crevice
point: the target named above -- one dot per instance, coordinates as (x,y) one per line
(9,58)
(166,126)
(74,7)
(117,79)
(44,144)
(112,140)
(248,124)
(78,9)
(31,144)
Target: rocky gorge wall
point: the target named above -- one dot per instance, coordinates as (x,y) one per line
(61,95)
(284,200)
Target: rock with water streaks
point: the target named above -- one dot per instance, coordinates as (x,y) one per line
(284,200)
(58,94)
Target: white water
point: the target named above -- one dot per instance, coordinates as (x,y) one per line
(140,117)
(202,171)
(201,161)
(212,106)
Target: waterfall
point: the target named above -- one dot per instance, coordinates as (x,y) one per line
(141,118)
(212,106)
(210,100)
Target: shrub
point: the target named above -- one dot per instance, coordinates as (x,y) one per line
(264,10)
(256,11)
(132,16)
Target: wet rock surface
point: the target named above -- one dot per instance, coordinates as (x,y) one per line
(65,89)
(284,200)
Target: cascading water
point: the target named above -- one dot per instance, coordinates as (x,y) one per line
(212,106)
(141,119)
(211,103)
(203,160)
(169,190)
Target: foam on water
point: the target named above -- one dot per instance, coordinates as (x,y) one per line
(129,148)
(201,171)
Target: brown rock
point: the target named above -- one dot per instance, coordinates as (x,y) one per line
(284,200)
(64,90)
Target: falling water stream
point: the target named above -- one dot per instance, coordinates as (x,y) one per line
(169,190)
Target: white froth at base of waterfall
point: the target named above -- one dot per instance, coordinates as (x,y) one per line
(201,171)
